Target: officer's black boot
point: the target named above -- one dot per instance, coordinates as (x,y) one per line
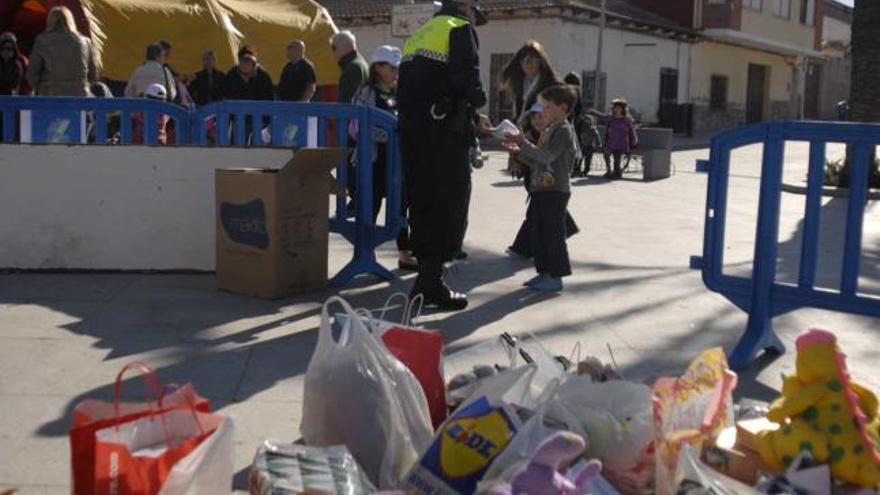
(430,285)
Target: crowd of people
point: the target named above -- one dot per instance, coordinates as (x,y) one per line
(61,63)
(434,84)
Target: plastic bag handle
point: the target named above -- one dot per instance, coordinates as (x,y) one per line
(151,382)
(189,401)
(408,316)
(513,343)
(151,379)
(388,306)
(367,319)
(575,356)
(325,336)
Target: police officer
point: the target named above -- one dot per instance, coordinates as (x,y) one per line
(439,91)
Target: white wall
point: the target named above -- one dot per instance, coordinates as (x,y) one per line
(95,207)
(632,60)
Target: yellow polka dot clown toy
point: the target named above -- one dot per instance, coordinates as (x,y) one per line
(824,412)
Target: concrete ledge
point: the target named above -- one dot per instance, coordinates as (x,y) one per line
(113,207)
(829,192)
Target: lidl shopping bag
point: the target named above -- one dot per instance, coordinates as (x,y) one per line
(691,410)
(176,452)
(359,395)
(475,435)
(91,415)
(464,448)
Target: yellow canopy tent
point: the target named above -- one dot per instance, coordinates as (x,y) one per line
(121,30)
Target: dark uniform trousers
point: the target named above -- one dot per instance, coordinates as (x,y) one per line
(438,177)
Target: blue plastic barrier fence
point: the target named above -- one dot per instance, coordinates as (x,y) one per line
(236,123)
(79,120)
(762,296)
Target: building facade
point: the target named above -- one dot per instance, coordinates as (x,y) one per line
(755,60)
(702,65)
(656,50)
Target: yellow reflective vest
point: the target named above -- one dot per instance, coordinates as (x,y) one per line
(432,39)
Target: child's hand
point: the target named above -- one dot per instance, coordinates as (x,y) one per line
(517,139)
(511,147)
(485,125)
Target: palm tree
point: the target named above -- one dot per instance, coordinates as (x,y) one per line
(864,102)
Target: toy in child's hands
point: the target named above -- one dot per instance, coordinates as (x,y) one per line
(545,472)
(505,128)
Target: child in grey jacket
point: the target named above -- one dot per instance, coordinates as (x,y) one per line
(551,162)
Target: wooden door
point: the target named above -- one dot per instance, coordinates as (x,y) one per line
(756,93)
(812,91)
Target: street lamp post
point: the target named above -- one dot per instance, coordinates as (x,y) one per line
(598,74)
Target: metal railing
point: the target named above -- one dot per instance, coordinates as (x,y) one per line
(126,121)
(762,295)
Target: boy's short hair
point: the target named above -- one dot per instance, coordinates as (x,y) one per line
(561,94)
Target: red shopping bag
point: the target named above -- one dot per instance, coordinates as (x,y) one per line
(422,352)
(137,457)
(91,415)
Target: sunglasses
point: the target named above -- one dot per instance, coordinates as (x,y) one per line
(7,49)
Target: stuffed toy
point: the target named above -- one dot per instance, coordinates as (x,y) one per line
(544,474)
(823,412)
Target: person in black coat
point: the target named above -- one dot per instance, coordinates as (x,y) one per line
(207,87)
(248,81)
(11,70)
(439,92)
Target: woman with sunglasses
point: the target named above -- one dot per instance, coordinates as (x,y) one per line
(526,76)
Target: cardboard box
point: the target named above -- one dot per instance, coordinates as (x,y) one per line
(727,456)
(748,431)
(272,225)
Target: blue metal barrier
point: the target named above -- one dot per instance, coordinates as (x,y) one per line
(762,296)
(245,123)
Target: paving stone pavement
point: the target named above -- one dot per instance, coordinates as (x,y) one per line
(64,337)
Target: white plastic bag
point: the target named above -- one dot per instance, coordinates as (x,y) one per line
(618,419)
(549,369)
(359,395)
(507,352)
